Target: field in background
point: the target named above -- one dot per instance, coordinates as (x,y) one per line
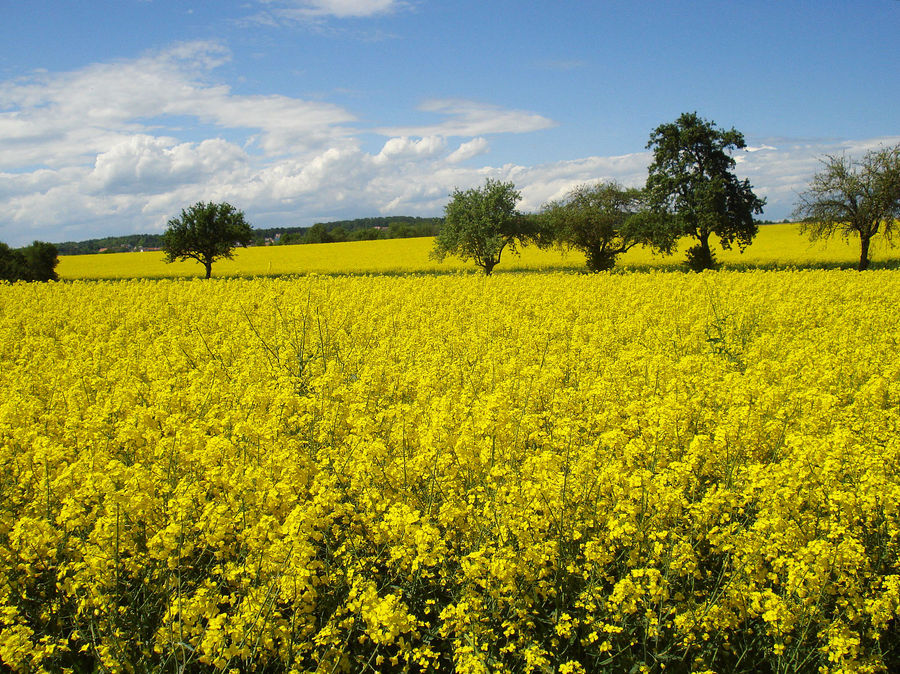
(775,246)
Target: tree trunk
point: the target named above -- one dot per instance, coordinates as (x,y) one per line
(208,266)
(863,253)
(704,245)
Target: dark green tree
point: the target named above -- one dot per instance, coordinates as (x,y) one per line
(318,233)
(602,220)
(480,223)
(12,264)
(36,262)
(290,239)
(206,232)
(854,198)
(42,258)
(693,190)
(366,234)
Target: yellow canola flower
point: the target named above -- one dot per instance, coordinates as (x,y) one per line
(529,472)
(775,246)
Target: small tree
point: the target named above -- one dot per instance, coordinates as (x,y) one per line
(854,198)
(693,189)
(479,223)
(206,233)
(602,220)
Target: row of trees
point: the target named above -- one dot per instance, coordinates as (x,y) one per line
(36,262)
(691,191)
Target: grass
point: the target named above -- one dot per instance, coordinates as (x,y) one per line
(776,246)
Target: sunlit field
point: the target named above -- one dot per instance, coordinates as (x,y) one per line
(533,472)
(775,246)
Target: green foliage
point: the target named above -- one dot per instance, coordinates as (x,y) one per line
(291,238)
(601,220)
(699,258)
(479,223)
(206,232)
(693,190)
(12,264)
(42,258)
(36,262)
(318,233)
(854,198)
(367,234)
(111,244)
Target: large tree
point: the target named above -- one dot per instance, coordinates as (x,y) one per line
(854,198)
(206,232)
(693,189)
(602,220)
(480,223)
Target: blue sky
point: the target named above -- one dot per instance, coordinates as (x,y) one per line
(115,115)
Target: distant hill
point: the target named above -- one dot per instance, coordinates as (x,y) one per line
(389,227)
(111,244)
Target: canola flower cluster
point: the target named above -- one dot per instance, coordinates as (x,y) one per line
(520,473)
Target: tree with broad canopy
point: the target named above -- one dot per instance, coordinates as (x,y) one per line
(693,190)
(206,232)
(481,222)
(854,198)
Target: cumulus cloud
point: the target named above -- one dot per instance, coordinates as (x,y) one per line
(120,147)
(469,149)
(147,162)
(67,118)
(116,148)
(397,148)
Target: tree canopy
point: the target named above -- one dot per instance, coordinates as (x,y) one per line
(854,198)
(602,220)
(206,232)
(36,262)
(481,222)
(693,190)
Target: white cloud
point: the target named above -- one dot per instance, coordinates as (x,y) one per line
(403,147)
(342,9)
(69,118)
(470,118)
(142,162)
(780,168)
(121,147)
(469,149)
(751,148)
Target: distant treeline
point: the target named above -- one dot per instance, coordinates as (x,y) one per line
(111,244)
(360,229)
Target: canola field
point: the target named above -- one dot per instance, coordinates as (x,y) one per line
(776,246)
(530,472)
